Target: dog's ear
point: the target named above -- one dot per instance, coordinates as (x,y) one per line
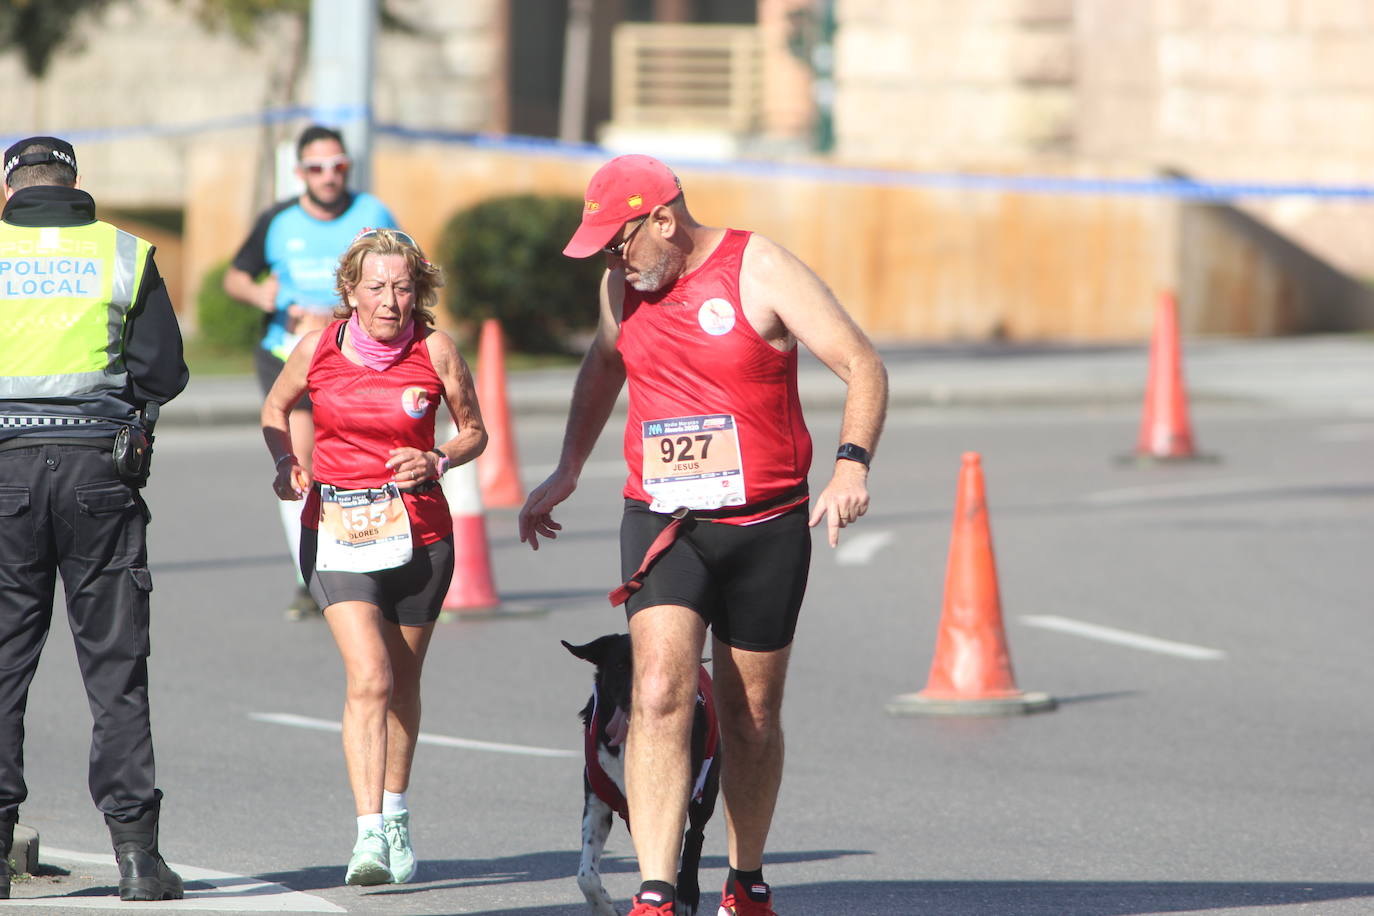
(579,651)
(597,650)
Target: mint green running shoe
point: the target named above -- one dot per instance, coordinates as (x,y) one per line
(371,862)
(398,838)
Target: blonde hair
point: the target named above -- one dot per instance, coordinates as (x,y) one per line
(384,242)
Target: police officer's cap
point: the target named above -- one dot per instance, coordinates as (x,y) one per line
(59,151)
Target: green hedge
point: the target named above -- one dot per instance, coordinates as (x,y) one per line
(226,323)
(503,258)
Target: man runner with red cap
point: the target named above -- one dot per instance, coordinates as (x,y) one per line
(704,323)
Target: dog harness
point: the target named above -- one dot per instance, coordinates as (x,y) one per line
(605,788)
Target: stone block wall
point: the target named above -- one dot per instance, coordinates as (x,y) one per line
(151,62)
(931,84)
(1225,90)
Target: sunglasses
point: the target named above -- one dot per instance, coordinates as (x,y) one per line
(338,164)
(618,250)
(368,232)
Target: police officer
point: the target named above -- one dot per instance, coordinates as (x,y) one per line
(91,349)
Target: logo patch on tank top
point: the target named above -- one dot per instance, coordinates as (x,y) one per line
(415,401)
(716,317)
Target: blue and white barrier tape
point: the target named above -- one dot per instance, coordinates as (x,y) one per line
(1179,188)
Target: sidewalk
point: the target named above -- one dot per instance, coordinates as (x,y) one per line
(1332,374)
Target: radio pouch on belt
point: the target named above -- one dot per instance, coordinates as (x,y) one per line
(133,449)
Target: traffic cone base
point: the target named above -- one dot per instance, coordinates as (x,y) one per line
(971,673)
(472,593)
(472,588)
(1144,459)
(922,704)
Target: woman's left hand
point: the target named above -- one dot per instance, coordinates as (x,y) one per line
(411,468)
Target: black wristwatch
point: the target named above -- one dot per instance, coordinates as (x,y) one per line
(854,453)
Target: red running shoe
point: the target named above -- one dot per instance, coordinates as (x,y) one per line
(736,901)
(646,908)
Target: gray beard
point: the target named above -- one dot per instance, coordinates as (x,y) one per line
(652,279)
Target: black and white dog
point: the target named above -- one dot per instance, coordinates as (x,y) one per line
(606,721)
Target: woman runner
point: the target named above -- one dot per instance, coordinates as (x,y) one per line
(377,537)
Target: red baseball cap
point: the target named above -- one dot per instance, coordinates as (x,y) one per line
(622,189)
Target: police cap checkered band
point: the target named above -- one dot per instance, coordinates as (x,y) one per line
(58,151)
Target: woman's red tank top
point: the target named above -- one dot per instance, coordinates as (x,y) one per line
(690,352)
(362,414)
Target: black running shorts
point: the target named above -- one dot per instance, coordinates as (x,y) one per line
(411,595)
(268,367)
(746,581)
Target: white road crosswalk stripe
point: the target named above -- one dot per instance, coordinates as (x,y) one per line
(226,892)
(859,549)
(1122,637)
(325,725)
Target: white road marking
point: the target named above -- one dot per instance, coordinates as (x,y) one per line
(1346,432)
(325,725)
(227,892)
(859,549)
(1176,490)
(1122,637)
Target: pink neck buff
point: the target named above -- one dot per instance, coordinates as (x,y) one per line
(379,355)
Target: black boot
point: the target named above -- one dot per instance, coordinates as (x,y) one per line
(142,873)
(6,847)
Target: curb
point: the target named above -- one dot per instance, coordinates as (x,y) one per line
(231,412)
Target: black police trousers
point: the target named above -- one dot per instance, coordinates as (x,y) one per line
(64,510)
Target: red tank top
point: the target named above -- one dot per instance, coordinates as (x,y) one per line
(689,351)
(362,414)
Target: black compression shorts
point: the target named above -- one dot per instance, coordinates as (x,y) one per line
(267,368)
(411,595)
(746,581)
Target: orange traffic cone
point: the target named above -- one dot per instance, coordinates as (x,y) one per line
(472,592)
(498,470)
(971,674)
(1165,433)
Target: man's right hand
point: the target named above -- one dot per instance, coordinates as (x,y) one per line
(536,517)
(266,294)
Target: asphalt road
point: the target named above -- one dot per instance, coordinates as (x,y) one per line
(1224,769)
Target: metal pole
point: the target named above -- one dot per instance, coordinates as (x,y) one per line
(823,66)
(341,59)
(577,56)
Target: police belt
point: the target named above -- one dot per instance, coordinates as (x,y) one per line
(130,449)
(105,442)
(668,535)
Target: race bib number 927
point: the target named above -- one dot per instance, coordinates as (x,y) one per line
(692,462)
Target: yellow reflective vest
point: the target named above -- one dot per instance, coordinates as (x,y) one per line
(65,293)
